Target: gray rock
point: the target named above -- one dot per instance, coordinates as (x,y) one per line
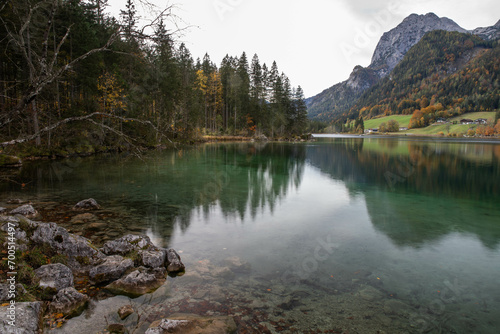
(167,326)
(20,235)
(68,301)
(55,276)
(26,210)
(153,259)
(5,291)
(2,210)
(79,250)
(127,244)
(87,204)
(138,282)
(111,269)
(173,262)
(27,318)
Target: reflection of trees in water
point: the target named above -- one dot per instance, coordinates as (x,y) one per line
(162,189)
(424,167)
(447,188)
(237,178)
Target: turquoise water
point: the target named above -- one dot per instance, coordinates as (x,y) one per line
(341,235)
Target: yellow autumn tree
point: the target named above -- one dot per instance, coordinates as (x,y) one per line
(112,97)
(214,93)
(201,84)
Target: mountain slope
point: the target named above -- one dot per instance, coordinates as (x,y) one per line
(391,49)
(453,71)
(394,44)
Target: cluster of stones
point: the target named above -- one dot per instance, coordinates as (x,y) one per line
(131,265)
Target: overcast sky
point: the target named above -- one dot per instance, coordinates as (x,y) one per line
(316,43)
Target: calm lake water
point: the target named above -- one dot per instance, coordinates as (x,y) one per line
(341,235)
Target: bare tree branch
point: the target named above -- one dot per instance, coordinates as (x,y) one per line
(81,118)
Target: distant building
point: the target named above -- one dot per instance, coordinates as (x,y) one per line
(466,121)
(403,129)
(441,120)
(481,121)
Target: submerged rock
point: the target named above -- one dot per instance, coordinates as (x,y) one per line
(87,204)
(125,311)
(69,302)
(117,329)
(54,276)
(191,324)
(28,318)
(26,210)
(167,326)
(237,265)
(111,269)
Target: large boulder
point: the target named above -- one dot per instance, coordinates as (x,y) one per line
(138,282)
(87,204)
(79,250)
(54,276)
(153,259)
(173,262)
(27,317)
(69,302)
(111,269)
(127,244)
(26,210)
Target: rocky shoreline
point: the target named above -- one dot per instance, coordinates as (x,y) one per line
(53,274)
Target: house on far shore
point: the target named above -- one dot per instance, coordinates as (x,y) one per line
(466,121)
(403,128)
(481,121)
(371,131)
(442,120)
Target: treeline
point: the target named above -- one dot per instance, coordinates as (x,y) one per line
(445,74)
(71,74)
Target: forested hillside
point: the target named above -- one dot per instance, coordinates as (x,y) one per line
(445,74)
(72,76)
(456,72)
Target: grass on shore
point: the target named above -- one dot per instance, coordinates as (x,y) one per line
(374,123)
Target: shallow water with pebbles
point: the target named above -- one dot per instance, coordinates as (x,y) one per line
(344,235)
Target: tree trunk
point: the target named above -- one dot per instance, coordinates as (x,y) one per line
(36,125)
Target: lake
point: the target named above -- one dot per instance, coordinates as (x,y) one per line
(340,235)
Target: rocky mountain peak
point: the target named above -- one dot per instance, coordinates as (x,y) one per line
(395,43)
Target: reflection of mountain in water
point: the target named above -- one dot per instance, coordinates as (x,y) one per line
(416,191)
(162,189)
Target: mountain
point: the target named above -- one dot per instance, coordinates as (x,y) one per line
(389,52)
(449,72)
(395,44)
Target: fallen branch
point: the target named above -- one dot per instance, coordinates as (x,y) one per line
(81,118)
